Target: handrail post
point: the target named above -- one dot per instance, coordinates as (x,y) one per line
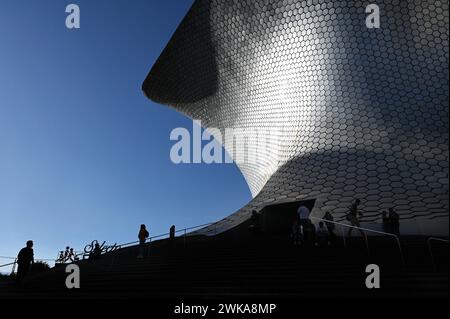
(149,246)
(363,230)
(431,254)
(430,250)
(401,251)
(343,236)
(14,266)
(366,241)
(112,261)
(122,246)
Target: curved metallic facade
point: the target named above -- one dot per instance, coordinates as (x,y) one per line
(363,113)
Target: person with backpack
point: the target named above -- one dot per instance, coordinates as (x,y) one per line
(142,235)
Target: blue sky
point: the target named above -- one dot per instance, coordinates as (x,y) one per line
(83,154)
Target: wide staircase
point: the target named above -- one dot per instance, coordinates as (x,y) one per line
(243,264)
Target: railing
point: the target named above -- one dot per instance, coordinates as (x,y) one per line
(9,264)
(430,249)
(184,231)
(363,230)
(162,236)
(152,239)
(14,263)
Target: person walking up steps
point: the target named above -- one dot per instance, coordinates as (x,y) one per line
(352,217)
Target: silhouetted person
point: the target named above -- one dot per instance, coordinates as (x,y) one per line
(172,235)
(296,233)
(303,217)
(66,253)
(255,221)
(143,235)
(386,222)
(352,217)
(61,256)
(96,252)
(394,221)
(71,255)
(309,232)
(25,259)
(172,232)
(322,235)
(330,226)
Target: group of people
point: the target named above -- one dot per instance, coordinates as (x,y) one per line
(67,256)
(391,221)
(143,235)
(304,231)
(25,258)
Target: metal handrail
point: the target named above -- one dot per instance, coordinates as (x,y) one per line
(150,239)
(366,241)
(368,230)
(430,250)
(15,262)
(36,260)
(7,264)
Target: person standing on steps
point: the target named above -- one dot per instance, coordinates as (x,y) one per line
(143,235)
(394,221)
(386,222)
(303,218)
(330,226)
(352,217)
(96,252)
(25,259)
(172,236)
(322,235)
(295,232)
(307,229)
(255,222)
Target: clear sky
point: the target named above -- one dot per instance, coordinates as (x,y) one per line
(83,154)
